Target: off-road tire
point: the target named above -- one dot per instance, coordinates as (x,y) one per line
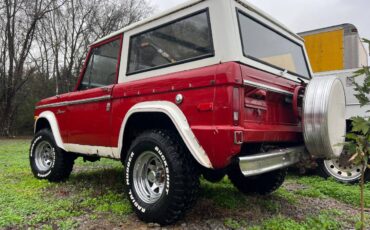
(324,173)
(263,184)
(62,164)
(181,177)
(213,176)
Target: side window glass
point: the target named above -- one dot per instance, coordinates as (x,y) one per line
(176,42)
(102,66)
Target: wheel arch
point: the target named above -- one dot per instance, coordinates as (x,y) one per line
(47,119)
(166,115)
(41,123)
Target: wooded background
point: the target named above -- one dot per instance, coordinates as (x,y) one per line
(43,44)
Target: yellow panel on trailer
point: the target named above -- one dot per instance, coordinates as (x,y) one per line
(326,50)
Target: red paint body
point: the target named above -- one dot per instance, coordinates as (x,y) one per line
(264,116)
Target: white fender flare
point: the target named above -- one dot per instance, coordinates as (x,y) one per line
(50,117)
(180,122)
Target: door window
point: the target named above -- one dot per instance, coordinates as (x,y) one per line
(101,69)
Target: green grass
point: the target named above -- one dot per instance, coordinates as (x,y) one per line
(321,188)
(234,224)
(223,194)
(27,201)
(324,221)
(94,192)
(289,197)
(67,224)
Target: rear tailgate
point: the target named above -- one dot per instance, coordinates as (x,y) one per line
(268,114)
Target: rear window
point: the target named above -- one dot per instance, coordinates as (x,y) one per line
(268,46)
(183,40)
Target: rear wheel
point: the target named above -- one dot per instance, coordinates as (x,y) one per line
(263,184)
(161,177)
(213,175)
(47,160)
(341,169)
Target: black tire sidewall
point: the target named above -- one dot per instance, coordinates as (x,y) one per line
(148,212)
(262,184)
(43,135)
(213,176)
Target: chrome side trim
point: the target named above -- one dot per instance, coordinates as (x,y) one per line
(267,87)
(75,102)
(266,162)
(102,151)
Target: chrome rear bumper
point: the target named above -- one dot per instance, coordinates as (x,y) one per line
(265,162)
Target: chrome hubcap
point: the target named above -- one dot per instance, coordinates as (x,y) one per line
(342,169)
(149,177)
(44,156)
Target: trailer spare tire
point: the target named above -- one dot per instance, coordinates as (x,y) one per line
(324,123)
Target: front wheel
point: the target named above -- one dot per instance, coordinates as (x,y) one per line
(263,184)
(161,177)
(47,160)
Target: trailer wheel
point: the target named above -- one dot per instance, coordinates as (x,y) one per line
(161,178)
(263,184)
(341,169)
(47,160)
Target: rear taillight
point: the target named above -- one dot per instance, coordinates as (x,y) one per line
(236,106)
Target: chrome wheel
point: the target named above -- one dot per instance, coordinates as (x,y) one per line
(44,156)
(149,177)
(343,170)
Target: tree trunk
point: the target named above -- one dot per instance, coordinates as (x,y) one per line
(362,201)
(6,123)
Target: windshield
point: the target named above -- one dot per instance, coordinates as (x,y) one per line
(265,45)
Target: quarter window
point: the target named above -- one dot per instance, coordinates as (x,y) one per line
(177,42)
(267,46)
(102,66)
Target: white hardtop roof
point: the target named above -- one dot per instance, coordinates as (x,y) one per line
(190,3)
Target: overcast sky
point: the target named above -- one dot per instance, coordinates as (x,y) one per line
(303,15)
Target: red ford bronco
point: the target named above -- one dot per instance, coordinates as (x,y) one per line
(211,87)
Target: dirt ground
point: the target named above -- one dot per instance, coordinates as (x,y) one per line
(207,215)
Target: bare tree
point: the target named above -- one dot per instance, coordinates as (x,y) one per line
(47,41)
(18,22)
(66,33)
